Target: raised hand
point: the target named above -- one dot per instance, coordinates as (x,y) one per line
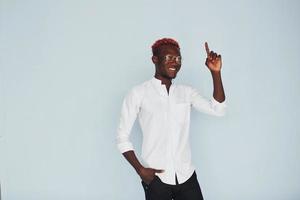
(213,60)
(148,174)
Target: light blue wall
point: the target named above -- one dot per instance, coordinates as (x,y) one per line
(66,65)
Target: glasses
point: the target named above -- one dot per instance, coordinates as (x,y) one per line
(169,58)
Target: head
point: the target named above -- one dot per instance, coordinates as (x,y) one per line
(166,58)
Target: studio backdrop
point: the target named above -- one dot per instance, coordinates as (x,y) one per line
(66,66)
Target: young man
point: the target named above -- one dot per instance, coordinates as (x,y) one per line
(163,110)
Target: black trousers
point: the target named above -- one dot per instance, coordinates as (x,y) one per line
(189,190)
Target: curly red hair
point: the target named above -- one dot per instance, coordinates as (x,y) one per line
(164,41)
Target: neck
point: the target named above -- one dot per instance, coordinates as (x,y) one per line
(164,80)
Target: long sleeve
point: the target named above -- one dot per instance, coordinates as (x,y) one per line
(211,107)
(129,112)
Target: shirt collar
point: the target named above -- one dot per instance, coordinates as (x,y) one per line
(156,82)
(160,87)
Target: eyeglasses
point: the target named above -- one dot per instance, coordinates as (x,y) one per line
(169,58)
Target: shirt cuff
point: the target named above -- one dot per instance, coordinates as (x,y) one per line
(123,147)
(218,107)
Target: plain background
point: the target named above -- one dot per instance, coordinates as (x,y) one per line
(66,66)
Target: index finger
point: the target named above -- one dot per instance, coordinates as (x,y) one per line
(206,48)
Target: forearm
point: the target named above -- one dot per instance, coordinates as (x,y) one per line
(132,159)
(218,92)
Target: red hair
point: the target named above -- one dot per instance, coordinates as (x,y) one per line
(164,41)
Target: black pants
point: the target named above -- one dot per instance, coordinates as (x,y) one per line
(189,190)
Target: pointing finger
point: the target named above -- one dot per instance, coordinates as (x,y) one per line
(206,48)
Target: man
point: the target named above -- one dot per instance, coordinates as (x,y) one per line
(163,110)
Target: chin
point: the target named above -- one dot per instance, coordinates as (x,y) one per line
(172,77)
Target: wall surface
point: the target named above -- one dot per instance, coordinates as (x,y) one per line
(66,65)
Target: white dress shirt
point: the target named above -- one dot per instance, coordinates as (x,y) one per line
(164,119)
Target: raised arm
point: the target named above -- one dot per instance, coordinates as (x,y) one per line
(216,106)
(214,64)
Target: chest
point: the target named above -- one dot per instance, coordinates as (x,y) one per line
(174,106)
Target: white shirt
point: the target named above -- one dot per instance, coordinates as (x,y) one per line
(164,119)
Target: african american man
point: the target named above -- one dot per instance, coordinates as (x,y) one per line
(163,110)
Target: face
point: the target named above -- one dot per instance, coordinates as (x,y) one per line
(168,62)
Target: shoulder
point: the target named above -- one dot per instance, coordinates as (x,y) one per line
(185,87)
(137,91)
(140,88)
(187,90)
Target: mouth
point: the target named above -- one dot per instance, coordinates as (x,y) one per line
(172,69)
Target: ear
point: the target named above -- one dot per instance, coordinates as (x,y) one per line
(155,59)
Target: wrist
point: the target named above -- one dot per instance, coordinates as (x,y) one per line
(139,169)
(215,72)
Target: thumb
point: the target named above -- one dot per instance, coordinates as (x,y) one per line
(158,170)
